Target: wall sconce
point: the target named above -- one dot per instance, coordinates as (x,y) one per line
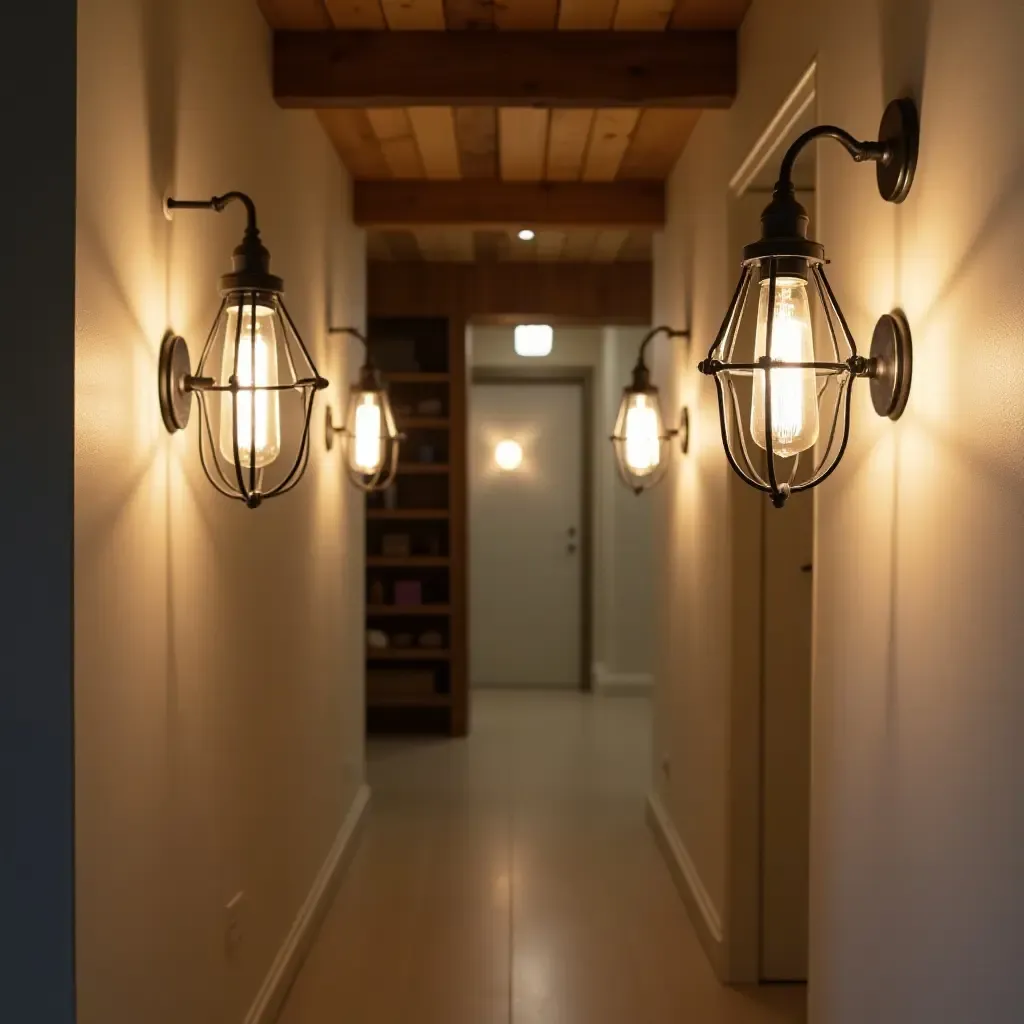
(369,434)
(640,440)
(263,365)
(792,396)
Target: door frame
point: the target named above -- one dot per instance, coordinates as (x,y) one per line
(742,959)
(582,376)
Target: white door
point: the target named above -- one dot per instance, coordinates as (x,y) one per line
(525,549)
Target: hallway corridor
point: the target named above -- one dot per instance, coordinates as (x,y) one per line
(511,879)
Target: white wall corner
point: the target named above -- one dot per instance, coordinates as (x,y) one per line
(266,1007)
(609,683)
(702,911)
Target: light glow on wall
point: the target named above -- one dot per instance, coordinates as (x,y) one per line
(508,455)
(534,340)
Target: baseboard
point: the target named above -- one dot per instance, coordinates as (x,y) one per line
(268,1002)
(699,905)
(621,684)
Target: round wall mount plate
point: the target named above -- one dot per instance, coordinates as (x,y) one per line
(892,355)
(175,368)
(900,130)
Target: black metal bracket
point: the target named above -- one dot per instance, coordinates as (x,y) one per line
(250,260)
(894,152)
(684,430)
(176,383)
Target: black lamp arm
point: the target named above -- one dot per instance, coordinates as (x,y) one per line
(218,203)
(879,152)
(356,333)
(651,335)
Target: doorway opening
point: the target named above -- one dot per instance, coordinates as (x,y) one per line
(561,575)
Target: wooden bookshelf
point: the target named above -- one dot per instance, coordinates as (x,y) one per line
(420,586)
(423,468)
(377,610)
(408,513)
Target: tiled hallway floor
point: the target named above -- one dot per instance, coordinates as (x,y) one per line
(512,879)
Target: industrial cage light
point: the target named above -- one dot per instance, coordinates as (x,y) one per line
(369,435)
(267,380)
(798,401)
(640,440)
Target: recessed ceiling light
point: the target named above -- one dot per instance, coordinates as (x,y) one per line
(526,235)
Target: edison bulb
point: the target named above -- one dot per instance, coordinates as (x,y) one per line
(794,392)
(259,415)
(642,432)
(367,441)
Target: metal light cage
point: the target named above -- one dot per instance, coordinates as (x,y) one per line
(240,476)
(256,363)
(641,387)
(780,476)
(784,258)
(368,390)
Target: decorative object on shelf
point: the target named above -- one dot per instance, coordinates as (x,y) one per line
(376,639)
(401,641)
(640,439)
(396,545)
(408,592)
(399,682)
(795,397)
(426,453)
(369,434)
(431,640)
(267,381)
(377,594)
(430,407)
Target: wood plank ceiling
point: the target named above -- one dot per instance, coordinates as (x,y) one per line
(514,144)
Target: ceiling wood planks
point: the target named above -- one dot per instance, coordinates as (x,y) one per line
(464,110)
(363,14)
(574,15)
(525,15)
(505,69)
(476,132)
(709,14)
(522,143)
(434,131)
(634,204)
(356,142)
(658,140)
(609,141)
(295,15)
(567,143)
(397,142)
(413,15)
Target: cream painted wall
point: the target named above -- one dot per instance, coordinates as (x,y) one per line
(917,821)
(623,573)
(218,670)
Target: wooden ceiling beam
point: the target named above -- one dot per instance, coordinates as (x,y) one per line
(505,69)
(488,204)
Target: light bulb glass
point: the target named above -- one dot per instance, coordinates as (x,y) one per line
(794,392)
(259,414)
(534,340)
(642,432)
(508,455)
(367,444)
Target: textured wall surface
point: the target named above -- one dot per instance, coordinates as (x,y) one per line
(218,657)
